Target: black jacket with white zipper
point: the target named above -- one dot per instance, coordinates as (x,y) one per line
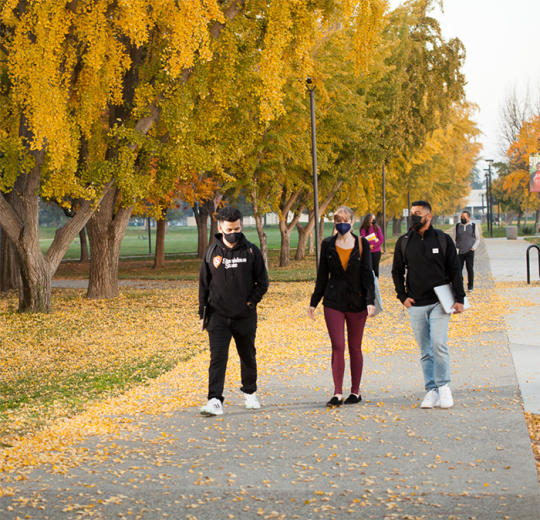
(350,290)
(232,278)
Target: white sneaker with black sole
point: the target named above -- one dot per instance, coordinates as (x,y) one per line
(445,397)
(431,400)
(252,403)
(212,407)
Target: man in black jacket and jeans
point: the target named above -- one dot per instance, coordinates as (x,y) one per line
(429,258)
(232,281)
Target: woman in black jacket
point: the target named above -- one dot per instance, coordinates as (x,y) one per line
(345,279)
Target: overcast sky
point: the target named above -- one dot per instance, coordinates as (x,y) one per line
(502,39)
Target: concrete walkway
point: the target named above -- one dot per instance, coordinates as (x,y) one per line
(508,264)
(383,459)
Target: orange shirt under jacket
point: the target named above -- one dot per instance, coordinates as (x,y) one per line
(344,255)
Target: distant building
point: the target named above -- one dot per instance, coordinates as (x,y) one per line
(475,204)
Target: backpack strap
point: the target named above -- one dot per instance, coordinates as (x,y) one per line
(442,241)
(474,230)
(404,243)
(210,253)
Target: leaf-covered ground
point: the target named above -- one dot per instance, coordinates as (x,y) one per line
(86,355)
(53,365)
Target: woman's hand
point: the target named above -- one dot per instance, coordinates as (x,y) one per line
(370,311)
(311,313)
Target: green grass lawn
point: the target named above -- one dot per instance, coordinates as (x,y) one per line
(178,240)
(180,247)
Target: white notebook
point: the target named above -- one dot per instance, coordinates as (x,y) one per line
(447,297)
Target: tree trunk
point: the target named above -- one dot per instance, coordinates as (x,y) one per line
(201,218)
(105,232)
(84,246)
(159,258)
(35,287)
(285,254)
(396,226)
(303,233)
(520,214)
(263,239)
(537,221)
(9,264)
(311,244)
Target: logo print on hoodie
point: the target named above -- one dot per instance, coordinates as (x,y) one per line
(217,261)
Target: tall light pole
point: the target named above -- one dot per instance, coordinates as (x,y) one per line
(311,89)
(490,202)
(384,205)
(487,197)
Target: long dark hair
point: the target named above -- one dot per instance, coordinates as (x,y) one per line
(368,219)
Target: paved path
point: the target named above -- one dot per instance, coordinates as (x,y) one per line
(508,264)
(383,459)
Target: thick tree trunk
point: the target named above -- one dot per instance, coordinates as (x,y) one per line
(105,232)
(201,218)
(35,287)
(520,214)
(159,259)
(263,240)
(311,244)
(84,246)
(9,265)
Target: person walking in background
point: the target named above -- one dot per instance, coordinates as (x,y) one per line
(370,230)
(429,258)
(232,281)
(346,282)
(467,235)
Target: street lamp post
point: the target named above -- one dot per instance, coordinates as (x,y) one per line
(490,201)
(384,205)
(487,197)
(311,88)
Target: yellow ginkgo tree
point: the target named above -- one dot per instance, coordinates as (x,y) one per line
(84,82)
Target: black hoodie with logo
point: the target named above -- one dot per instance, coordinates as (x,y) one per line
(231,278)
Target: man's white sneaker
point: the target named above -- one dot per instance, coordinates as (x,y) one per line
(431,400)
(252,403)
(212,407)
(445,396)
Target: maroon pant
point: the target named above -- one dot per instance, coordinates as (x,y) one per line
(335,321)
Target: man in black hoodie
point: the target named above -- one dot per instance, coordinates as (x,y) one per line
(232,281)
(425,258)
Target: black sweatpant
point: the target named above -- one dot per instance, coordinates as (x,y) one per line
(468,260)
(375,261)
(220,332)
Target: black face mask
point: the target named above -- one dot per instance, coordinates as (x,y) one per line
(416,222)
(464,221)
(232,238)
(373,222)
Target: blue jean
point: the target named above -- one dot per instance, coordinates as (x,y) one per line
(430,326)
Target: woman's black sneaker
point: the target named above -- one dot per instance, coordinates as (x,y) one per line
(352,399)
(335,402)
